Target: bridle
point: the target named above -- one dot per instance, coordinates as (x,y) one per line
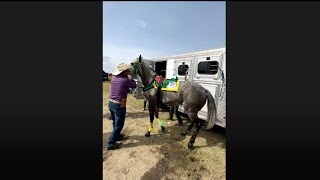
(136,68)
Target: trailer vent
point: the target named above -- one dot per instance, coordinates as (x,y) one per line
(182,69)
(208,67)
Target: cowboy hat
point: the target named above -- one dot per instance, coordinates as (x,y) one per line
(120,68)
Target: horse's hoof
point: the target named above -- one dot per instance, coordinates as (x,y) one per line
(190,145)
(147,134)
(162,128)
(183,133)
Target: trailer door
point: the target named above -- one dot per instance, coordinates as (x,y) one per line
(182,68)
(170,69)
(206,74)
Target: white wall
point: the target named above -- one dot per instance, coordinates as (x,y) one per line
(170,69)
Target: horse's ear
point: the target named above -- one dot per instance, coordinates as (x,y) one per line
(140,58)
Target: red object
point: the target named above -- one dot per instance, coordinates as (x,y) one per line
(158,78)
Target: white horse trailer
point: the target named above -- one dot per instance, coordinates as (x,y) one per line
(208,68)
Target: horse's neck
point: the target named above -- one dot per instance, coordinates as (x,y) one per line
(147,75)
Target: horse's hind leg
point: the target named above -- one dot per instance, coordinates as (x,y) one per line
(194,118)
(176,112)
(188,130)
(157,116)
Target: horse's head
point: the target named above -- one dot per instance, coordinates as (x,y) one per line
(137,65)
(143,70)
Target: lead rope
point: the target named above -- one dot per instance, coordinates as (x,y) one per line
(222,92)
(185,76)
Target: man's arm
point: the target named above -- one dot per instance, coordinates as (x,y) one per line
(131,82)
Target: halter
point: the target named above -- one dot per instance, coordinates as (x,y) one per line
(136,65)
(150,85)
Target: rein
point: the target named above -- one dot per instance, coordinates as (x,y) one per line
(150,86)
(223,83)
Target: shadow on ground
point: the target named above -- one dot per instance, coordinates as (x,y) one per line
(172,134)
(132,115)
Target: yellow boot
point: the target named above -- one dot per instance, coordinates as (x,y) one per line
(150,129)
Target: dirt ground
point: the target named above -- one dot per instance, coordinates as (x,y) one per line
(163,155)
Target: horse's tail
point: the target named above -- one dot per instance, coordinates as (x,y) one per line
(211,116)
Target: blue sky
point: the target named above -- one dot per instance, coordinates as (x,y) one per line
(156,29)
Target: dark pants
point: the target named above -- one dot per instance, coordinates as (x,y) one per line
(174,109)
(118,115)
(171,112)
(144,103)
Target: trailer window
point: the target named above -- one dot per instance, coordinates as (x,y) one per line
(182,69)
(208,67)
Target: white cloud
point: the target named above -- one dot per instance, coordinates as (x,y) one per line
(141,23)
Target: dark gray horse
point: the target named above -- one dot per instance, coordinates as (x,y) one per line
(190,94)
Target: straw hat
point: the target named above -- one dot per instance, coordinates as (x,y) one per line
(121,67)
